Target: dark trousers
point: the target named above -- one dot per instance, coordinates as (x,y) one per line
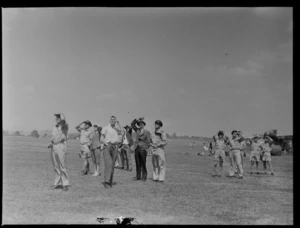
(109,155)
(140,160)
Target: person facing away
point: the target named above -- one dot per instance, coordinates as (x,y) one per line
(110,137)
(266,153)
(58,147)
(143,143)
(95,149)
(86,134)
(159,141)
(219,154)
(255,153)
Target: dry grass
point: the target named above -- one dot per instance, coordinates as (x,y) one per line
(189,196)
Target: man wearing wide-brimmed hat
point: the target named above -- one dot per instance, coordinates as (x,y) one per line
(58,147)
(86,134)
(143,143)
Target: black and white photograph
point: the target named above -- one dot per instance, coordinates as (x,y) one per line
(147,115)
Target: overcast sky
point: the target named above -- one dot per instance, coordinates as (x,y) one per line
(198,70)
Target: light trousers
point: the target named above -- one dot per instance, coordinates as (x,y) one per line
(58,160)
(159,164)
(235,157)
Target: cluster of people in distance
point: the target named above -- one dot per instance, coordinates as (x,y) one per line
(109,142)
(237,144)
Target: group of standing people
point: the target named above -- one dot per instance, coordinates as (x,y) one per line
(237,145)
(110,142)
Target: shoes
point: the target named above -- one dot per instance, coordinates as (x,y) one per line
(144,179)
(257,173)
(135,178)
(272,174)
(214,175)
(155,180)
(251,172)
(106,185)
(219,175)
(160,181)
(83,172)
(130,170)
(65,188)
(56,186)
(240,177)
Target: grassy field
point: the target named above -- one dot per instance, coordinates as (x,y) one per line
(189,195)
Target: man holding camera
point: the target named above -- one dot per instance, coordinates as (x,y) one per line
(143,143)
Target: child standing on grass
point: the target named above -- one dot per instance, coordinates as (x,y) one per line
(219,154)
(266,153)
(255,153)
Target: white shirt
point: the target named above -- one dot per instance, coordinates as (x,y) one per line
(110,134)
(125,141)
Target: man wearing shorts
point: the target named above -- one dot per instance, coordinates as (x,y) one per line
(255,153)
(266,153)
(86,134)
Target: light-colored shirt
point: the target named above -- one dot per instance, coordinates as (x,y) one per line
(256,146)
(58,135)
(220,144)
(125,140)
(86,136)
(235,143)
(110,134)
(159,138)
(266,147)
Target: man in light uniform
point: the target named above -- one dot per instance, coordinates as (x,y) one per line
(86,135)
(159,140)
(235,154)
(58,147)
(219,155)
(255,153)
(110,136)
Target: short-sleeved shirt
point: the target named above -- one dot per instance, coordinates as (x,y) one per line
(220,144)
(159,137)
(110,134)
(266,147)
(256,146)
(86,136)
(57,134)
(235,143)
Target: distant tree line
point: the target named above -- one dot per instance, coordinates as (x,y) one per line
(174,136)
(36,134)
